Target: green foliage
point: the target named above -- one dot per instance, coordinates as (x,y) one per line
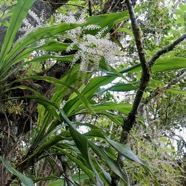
(149,144)
(180,17)
(15,23)
(25,180)
(92,155)
(6,8)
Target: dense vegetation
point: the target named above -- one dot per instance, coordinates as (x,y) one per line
(92,92)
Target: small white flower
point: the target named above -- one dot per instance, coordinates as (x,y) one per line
(35,17)
(99,34)
(69,48)
(91,27)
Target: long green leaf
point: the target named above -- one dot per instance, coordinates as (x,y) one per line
(50,46)
(69,79)
(36,35)
(125,151)
(102,108)
(55,46)
(88,92)
(19,13)
(66,58)
(25,180)
(84,167)
(113,117)
(122,87)
(45,145)
(176,91)
(82,144)
(52,80)
(107,20)
(101,172)
(113,165)
(161,65)
(105,174)
(167,64)
(79,139)
(122,149)
(121,107)
(96,83)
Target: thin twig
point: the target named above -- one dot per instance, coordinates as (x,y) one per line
(160,90)
(90,7)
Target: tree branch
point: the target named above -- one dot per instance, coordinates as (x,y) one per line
(145,77)
(166,49)
(90,8)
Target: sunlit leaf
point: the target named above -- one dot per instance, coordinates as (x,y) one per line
(166,64)
(176,91)
(121,107)
(161,65)
(122,87)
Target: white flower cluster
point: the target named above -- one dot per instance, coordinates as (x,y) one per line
(95,48)
(92,48)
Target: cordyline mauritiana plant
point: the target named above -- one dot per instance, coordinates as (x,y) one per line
(55,138)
